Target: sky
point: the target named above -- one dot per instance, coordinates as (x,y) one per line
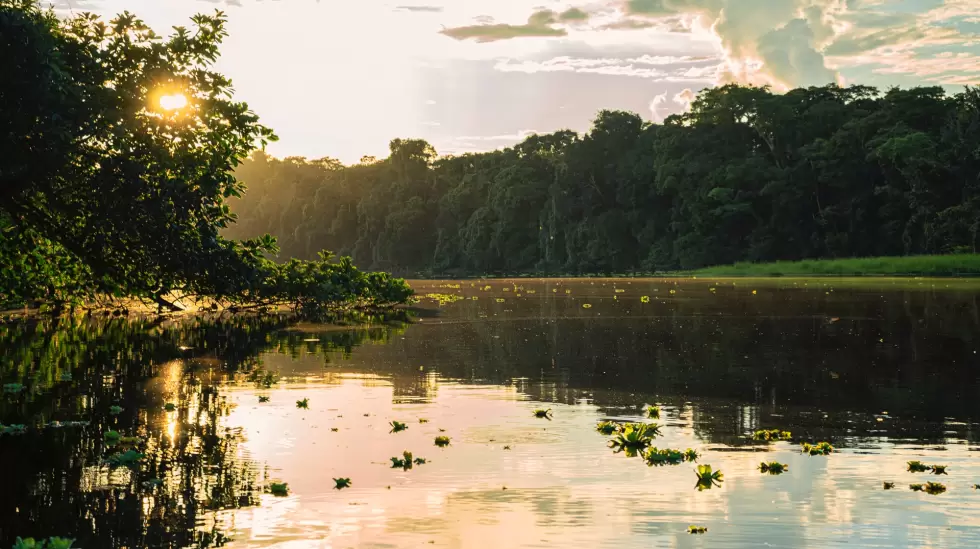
(341,78)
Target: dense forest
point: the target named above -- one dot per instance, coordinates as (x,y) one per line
(745,175)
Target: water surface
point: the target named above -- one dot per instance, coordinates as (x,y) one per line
(886,370)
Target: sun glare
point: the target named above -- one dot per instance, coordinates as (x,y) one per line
(173,102)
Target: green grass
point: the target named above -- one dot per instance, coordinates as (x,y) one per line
(965,265)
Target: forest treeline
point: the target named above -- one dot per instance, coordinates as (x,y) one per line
(745,175)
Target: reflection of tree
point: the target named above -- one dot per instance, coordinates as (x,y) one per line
(75,369)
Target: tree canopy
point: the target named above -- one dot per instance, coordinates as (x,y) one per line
(116,163)
(746,174)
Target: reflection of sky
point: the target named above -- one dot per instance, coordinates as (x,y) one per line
(563,486)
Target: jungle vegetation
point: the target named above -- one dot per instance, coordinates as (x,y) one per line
(117,157)
(747,175)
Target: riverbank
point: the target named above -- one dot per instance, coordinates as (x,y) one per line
(960,265)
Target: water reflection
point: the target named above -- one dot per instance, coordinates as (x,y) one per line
(887,372)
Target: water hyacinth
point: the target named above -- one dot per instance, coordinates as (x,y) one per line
(667,456)
(819,449)
(696,529)
(773,467)
(607,427)
(341,483)
(170,406)
(915,487)
(304,404)
(888,485)
(691,455)
(442,441)
(771,435)
(397,426)
(634,438)
(653,412)
(938,469)
(115,410)
(707,478)
(917,467)
(934,488)
(545,414)
(279,489)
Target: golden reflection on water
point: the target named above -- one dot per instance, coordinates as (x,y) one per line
(559,484)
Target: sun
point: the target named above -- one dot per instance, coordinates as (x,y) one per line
(173,102)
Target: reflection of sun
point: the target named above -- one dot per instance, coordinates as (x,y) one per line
(173,102)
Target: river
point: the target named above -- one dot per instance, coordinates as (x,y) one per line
(886,370)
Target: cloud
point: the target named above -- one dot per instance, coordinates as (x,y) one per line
(538,24)
(641,67)
(573,14)
(683,98)
(420,9)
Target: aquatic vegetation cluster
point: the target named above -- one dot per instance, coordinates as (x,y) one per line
(919,467)
(708,478)
(545,414)
(115,410)
(442,441)
(633,438)
(406,462)
(819,449)
(303,404)
(279,489)
(443,299)
(772,435)
(128,458)
(397,426)
(13,388)
(696,529)
(341,483)
(932,488)
(653,412)
(773,468)
(667,456)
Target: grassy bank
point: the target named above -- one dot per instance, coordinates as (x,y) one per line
(965,265)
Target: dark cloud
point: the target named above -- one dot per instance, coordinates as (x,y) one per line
(420,9)
(539,24)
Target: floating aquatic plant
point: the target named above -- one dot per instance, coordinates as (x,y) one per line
(334,429)
(170,406)
(819,449)
(697,529)
(707,478)
(915,487)
(607,427)
(917,467)
(691,455)
(50,543)
(645,299)
(773,467)
(506,447)
(13,388)
(634,438)
(442,441)
(406,462)
(771,435)
(938,469)
(423,420)
(397,426)
(934,488)
(341,483)
(887,485)
(546,414)
(115,410)
(653,412)
(279,489)
(419,461)
(111,436)
(586,305)
(304,404)
(667,456)
(263,398)
(128,458)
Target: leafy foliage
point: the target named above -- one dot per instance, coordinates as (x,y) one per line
(50,543)
(341,483)
(397,426)
(707,478)
(106,193)
(545,414)
(773,468)
(279,489)
(771,435)
(634,438)
(819,449)
(442,441)
(746,175)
